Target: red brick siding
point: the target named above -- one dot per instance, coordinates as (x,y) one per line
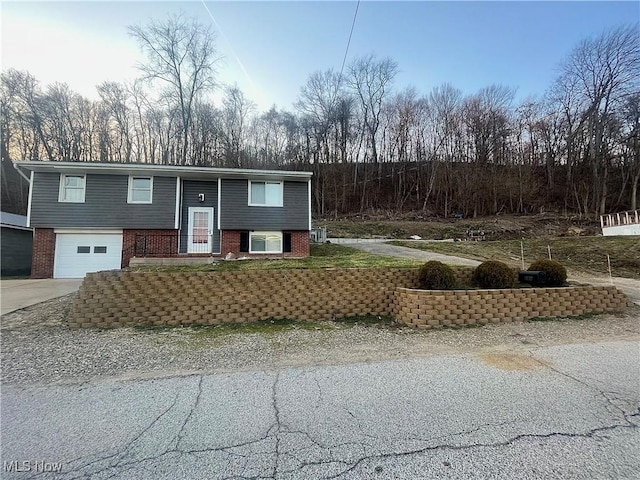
(300,244)
(44,246)
(151,243)
(230,243)
(148,243)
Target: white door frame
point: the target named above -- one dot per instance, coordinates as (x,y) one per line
(200,247)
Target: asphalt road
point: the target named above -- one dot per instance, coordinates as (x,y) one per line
(569,411)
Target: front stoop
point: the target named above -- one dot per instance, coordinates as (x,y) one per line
(172,261)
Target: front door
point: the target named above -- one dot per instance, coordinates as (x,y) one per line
(200,229)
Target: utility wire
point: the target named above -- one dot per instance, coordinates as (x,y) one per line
(346,51)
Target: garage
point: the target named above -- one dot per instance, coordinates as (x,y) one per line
(77,254)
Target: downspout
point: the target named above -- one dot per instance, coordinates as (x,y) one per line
(30,182)
(21,173)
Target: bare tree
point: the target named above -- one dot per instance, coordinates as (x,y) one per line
(598,75)
(115,97)
(326,110)
(235,117)
(444,115)
(630,137)
(371,80)
(23,92)
(486,117)
(181,55)
(207,142)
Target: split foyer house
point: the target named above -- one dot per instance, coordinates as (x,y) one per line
(89,217)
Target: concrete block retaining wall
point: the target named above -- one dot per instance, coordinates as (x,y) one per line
(117,299)
(436,308)
(113,299)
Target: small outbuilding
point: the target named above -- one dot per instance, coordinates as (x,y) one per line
(16,245)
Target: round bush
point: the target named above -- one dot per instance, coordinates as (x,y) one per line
(494,274)
(555,273)
(436,275)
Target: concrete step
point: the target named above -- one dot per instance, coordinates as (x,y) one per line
(137,261)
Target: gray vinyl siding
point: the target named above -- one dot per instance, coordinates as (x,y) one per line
(236,214)
(190,191)
(105,204)
(16,247)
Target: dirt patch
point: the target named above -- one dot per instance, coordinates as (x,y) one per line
(495,227)
(512,361)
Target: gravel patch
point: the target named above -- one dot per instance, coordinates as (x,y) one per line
(37,347)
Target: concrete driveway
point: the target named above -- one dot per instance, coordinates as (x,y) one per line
(17,294)
(568,411)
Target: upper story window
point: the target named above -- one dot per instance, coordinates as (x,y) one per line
(140,190)
(72,188)
(265,194)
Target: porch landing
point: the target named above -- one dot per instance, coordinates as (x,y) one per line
(183,260)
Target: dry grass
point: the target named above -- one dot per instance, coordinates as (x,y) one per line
(584,254)
(322,256)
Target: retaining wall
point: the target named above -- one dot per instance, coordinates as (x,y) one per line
(115,299)
(436,308)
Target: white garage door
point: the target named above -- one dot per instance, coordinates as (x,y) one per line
(80,253)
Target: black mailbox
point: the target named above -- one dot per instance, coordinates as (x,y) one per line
(534,277)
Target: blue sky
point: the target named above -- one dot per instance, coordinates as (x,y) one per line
(468,44)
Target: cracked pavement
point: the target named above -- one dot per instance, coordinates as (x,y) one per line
(567,411)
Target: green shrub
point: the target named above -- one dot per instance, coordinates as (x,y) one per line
(436,275)
(494,274)
(555,273)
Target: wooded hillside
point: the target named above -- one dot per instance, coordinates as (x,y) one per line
(371,145)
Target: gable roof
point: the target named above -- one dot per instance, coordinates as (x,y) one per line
(162,170)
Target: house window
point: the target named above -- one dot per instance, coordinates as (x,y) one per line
(265,194)
(265,242)
(140,190)
(72,188)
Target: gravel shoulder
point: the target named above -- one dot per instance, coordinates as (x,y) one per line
(38,348)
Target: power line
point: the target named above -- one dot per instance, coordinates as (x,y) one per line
(346,51)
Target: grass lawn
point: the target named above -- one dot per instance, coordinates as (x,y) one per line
(322,256)
(585,254)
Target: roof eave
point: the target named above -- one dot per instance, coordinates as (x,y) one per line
(161,170)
